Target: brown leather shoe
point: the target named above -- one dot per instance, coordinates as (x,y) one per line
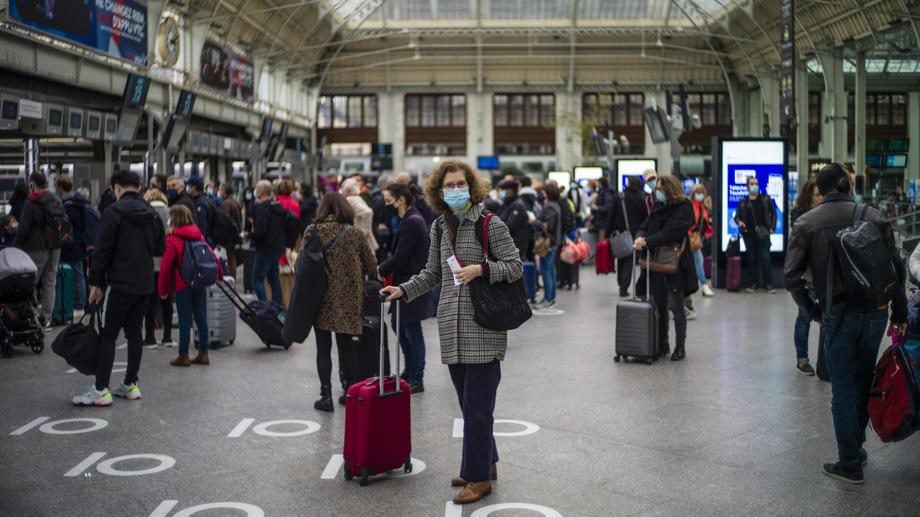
(459,481)
(473,492)
(181,360)
(201,358)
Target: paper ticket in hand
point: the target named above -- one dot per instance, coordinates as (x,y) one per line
(454,266)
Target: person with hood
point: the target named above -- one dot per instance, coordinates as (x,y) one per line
(130,236)
(410,254)
(176,194)
(157,200)
(529,196)
(308,204)
(34,236)
(204,207)
(513,213)
(84,219)
(191,303)
(268,241)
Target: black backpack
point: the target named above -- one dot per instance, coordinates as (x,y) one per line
(58,226)
(865,261)
(310,281)
(224,229)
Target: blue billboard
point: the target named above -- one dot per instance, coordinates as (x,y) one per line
(117,28)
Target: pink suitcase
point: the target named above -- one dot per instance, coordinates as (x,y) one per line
(733,273)
(378,435)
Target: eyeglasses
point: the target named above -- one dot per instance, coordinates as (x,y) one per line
(455,186)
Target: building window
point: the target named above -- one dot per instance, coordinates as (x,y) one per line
(622,112)
(347,111)
(524,124)
(436,111)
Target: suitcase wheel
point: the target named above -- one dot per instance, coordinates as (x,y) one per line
(348,475)
(407,468)
(268,346)
(364,475)
(649,361)
(617,358)
(37,346)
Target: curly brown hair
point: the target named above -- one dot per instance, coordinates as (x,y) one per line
(479,188)
(671,188)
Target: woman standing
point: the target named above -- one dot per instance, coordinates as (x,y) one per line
(549,223)
(807,199)
(473,354)
(341,309)
(157,200)
(364,215)
(190,302)
(702,227)
(409,257)
(667,227)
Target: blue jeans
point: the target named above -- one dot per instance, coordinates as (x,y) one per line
(800,335)
(266,265)
(192,303)
(412,342)
(476,386)
(851,341)
(698,265)
(758,252)
(548,273)
(79,285)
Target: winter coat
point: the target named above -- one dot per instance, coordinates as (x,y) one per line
(514,214)
(108,199)
(308,210)
(668,224)
(130,236)
(550,221)
(33,232)
(759,211)
(462,340)
(234,209)
(410,254)
(204,214)
(701,219)
(74,252)
(268,228)
(170,279)
(341,309)
(364,218)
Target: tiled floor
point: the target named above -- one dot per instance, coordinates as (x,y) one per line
(733,430)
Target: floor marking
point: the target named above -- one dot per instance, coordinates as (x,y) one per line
(488,510)
(164,508)
(529,428)
(548,312)
(85,464)
(97,424)
(107,467)
(335,465)
(262,429)
(31,425)
(453,510)
(251,511)
(241,428)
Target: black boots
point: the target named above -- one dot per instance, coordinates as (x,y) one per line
(325,399)
(679,353)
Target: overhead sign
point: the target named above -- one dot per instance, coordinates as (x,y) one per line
(227,72)
(31,109)
(117,28)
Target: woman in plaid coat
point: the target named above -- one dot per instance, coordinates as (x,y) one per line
(472,353)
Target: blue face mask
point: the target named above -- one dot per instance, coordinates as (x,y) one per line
(457,198)
(754,189)
(502,194)
(659,195)
(652,184)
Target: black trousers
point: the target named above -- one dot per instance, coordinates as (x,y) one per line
(120,311)
(665,298)
(150,319)
(476,386)
(324,355)
(624,273)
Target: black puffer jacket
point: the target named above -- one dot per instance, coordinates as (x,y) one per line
(130,236)
(514,214)
(268,227)
(809,245)
(669,224)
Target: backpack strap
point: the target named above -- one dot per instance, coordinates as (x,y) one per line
(859,212)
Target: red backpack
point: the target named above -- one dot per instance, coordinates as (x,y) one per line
(895,395)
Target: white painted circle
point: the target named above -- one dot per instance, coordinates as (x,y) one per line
(262,429)
(529,428)
(251,511)
(117,367)
(488,510)
(418,466)
(548,312)
(107,467)
(95,425)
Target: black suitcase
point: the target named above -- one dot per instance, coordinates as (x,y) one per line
(637,326)
(361,359)
(266,318)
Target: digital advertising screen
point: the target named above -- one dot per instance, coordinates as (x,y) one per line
(563,178)
(588,173)
(633,167)
(764,159)
(227,72)
(486,163)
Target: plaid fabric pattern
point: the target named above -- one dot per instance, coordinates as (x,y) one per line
(462,340)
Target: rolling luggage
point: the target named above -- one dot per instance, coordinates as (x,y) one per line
(530,279)
(266,318)
(377,422)
(733,273)
(603,258)
(707,266)
(221,317)
(637,326)
(63,295)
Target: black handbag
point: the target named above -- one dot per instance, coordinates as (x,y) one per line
(500,306)
(78,343)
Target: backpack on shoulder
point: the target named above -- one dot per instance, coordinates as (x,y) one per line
(224,229)
(58,226)
(199,268)
(865,261)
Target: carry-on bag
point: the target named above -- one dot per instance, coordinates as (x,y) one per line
(733,273)
(603,258)
(894,401)
(377,421)
(78,343)
(637,325)
(266,318)
(63,295)
(221,316)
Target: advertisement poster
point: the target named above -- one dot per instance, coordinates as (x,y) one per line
(765,160)
(114,27)
(628,167)
(227,72)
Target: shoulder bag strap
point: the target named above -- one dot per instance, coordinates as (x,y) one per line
(484,230)
(337,240)
(622,199)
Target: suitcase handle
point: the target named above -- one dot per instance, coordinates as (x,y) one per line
(632,283)
(383,349)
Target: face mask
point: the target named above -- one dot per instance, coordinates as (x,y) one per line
(172,194)
(754,189)
(210,192)
(502,194)
(699,197)
(659,195)
(652,184)
(248,197)
(13,226)
(457,198)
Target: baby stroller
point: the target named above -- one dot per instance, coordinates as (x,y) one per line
(19,323)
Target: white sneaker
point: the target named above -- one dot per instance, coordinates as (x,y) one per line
(78,314)
(93,397)
(691,315)
(130,392)
(151,346)
(707,291)
(168,344)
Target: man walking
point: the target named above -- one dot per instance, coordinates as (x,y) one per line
(39,235)
(268,240)
(853,319)
(131,235)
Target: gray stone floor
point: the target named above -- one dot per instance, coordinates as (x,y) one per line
(733,430)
